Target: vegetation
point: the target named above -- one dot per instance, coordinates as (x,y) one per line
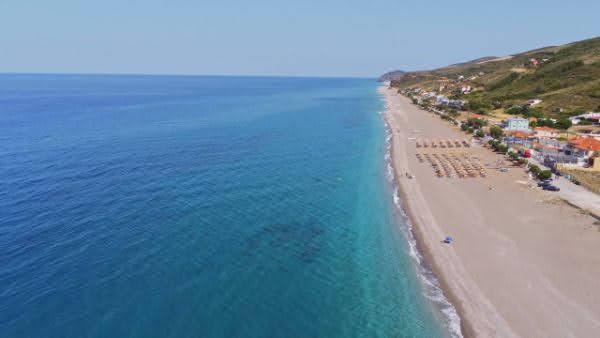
(544,174)
(561,123)
(588,179)
(476,123)
(566,79)
(498,146)
(534,169)
(496,132)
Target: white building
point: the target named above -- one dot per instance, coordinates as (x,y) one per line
(593,117)
(517,124)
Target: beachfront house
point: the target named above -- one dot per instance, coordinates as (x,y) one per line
(518,140)
(583,148)
(516,124)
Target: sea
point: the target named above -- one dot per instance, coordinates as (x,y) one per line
(204,206)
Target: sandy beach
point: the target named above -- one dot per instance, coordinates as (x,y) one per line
(522,264)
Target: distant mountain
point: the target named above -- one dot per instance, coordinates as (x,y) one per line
(391,76)
(565,78)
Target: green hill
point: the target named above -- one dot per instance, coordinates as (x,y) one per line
(566,78)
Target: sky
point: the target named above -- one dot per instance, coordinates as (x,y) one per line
(268,37)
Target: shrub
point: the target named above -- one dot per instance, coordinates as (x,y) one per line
(477,104)
(544,174)
(496,132)
(479,133)
(534,169)
(504,81)
(514,110)
(545,123)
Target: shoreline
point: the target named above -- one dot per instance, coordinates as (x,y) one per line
(427,262)
(505,238)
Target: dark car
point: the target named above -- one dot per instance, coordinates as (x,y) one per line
(544,183)
(550,187)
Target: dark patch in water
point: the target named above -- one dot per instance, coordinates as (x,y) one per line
(299,240)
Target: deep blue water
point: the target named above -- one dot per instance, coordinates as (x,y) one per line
(155,206)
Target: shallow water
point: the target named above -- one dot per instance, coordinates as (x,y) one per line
(156,206)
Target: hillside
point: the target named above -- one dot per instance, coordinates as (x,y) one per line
(565,78)
(392,76)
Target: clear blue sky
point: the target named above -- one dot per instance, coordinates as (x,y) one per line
(268,37)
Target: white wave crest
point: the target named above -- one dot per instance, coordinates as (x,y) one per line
(431,286)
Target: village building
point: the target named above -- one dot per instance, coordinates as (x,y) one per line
(442,100)
(516,124)
(592,117)
(534,62)
(584,148)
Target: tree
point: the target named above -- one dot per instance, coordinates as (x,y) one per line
(496,132)
(476,123)
(546,123)
(544,174)
(563,123)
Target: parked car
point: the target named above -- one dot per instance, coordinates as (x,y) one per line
(543,184)
(550,187)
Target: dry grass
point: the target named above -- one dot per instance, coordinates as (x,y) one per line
(588,179)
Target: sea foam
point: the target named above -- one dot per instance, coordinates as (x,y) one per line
(431,286)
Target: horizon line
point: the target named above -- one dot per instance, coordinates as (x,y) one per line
(187,75)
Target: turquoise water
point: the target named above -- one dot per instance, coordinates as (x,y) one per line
(155,206)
